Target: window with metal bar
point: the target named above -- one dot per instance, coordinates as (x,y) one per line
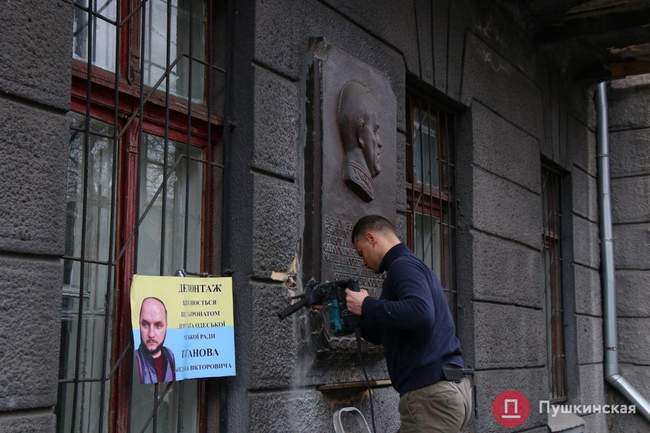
(144,162)
(552,237)
(430,175)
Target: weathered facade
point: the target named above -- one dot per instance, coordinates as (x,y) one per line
(518,113)
(629,153)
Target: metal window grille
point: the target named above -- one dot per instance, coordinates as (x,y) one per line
(149,95)
(431,225)
(552,237)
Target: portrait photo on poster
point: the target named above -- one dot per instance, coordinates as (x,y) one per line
(183,328)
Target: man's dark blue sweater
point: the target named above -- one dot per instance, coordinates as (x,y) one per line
(413,322)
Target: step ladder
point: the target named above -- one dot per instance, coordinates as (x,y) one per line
(350,420)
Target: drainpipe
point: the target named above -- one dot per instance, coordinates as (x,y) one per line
(612,373)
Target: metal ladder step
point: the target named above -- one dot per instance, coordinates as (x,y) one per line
(350,420)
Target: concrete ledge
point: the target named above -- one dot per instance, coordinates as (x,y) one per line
(566,422)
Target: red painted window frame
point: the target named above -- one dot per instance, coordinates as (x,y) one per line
(101,105)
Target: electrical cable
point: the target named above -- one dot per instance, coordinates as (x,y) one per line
(357,333)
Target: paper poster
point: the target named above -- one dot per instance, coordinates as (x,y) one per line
(182,328)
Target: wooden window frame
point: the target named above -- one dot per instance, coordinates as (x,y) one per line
(97,93)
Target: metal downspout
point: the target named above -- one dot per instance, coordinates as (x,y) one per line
(612,373)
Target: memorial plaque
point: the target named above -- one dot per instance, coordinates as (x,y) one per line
(350,161)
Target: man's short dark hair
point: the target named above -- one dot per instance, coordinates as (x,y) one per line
(371,222)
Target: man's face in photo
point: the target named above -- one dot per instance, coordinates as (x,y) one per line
(153,326)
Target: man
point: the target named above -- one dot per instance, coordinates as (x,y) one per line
(413,322)
(155,362)
(356,116)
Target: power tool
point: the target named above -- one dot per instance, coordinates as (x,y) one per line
(330,294)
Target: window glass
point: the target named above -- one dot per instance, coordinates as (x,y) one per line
(186,27)
(89,171)
(180,402)
(149,234)
(98,189)
(427,241)
(425,149)
(102,37)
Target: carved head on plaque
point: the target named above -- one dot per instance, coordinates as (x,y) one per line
(356,116)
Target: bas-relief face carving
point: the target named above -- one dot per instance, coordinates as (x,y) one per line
(357,120)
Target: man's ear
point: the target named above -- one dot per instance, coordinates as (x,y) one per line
(360,124)
(370,237)
(361,141)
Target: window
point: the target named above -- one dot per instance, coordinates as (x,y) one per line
(430,174)
(144,159)
(552,237)
(102,38)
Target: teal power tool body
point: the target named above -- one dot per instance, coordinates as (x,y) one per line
(330,294)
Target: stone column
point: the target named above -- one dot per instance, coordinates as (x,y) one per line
(35,55)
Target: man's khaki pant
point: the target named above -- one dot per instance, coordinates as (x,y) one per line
(444,407)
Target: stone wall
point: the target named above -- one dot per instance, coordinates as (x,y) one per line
(34,95)
(629,101)
(518,108)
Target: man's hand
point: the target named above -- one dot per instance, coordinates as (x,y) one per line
(354,300)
